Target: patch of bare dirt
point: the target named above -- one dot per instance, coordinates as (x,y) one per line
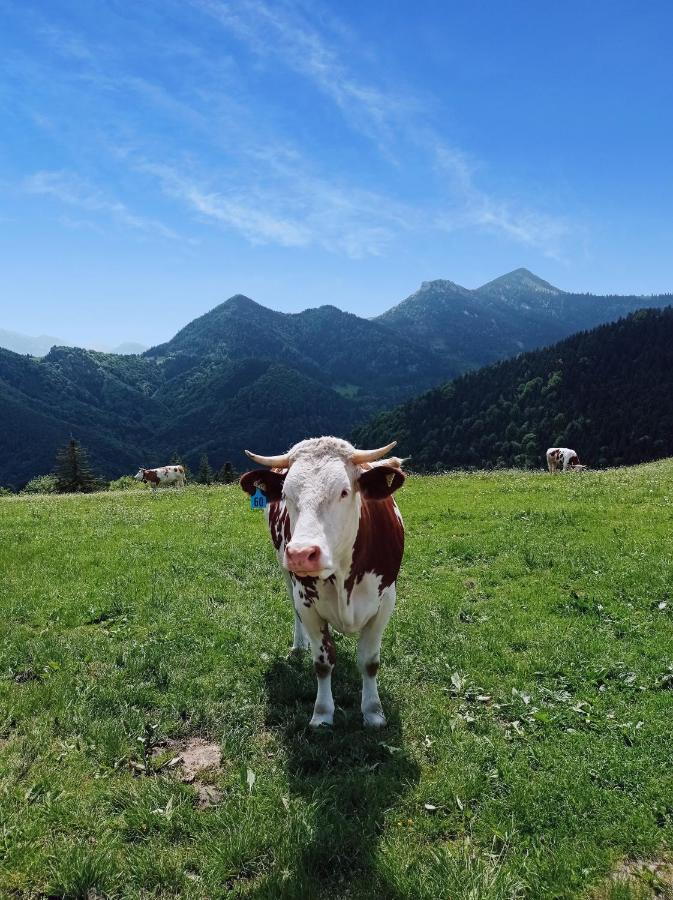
(646,879)
(207,795)
(196,755)
(190,757)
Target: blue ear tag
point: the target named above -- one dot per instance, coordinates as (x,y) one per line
(258,500)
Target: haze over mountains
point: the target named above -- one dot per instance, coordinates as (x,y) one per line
(40,345)
(243,375)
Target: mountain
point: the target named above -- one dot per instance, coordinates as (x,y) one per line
(510,314)
(607,393)
(42,344)
(108,402)
(355,357)
(520,288)
(24,343)
(458,324)
(243,374)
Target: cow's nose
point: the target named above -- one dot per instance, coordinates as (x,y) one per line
(305,559)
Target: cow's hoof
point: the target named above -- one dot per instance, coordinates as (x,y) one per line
(322,718)
(374,719)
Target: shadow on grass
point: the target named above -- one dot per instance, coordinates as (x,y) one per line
(352,775)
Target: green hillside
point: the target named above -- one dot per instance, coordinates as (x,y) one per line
(242,374)
(608,393)
(527,675)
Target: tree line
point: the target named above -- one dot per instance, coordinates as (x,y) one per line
(74,474)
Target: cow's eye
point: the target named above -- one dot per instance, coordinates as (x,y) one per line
(344,493)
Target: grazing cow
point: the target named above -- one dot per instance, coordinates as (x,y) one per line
(563,458)
(339,537)
(162,475)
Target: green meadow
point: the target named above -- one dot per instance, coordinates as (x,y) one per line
(527,676)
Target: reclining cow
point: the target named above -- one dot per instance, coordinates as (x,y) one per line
(339,537)
(162,475)
(563,458)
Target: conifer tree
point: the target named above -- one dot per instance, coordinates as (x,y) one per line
(73,472)
(205,475)
(226,474)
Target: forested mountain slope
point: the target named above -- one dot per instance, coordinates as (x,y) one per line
(608,393)
(515,312)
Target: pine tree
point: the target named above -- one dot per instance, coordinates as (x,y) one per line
(205,475)
(73,472)
(226,474)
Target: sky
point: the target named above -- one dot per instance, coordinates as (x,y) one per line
(160,156)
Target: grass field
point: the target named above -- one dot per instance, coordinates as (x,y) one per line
(527,677)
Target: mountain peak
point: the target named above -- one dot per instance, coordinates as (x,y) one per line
(238,301)
(441,285)
(519,280)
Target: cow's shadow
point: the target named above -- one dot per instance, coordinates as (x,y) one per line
(351,776)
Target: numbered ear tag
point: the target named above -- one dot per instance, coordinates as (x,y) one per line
(258,500)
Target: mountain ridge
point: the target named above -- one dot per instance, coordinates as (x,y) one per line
(243,374)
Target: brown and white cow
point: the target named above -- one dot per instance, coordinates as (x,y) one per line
(339,537)
(162,475)
(563,458)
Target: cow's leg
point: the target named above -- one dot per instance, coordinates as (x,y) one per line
(324,656)
(300,639)
(369,658)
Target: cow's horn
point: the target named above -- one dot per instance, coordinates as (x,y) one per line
(273,462)
(366,456)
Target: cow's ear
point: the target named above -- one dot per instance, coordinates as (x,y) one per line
(270,483)
(380,482)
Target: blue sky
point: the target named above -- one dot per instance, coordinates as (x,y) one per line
(160,156)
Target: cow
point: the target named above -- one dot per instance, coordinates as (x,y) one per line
(162,475)
(339,537)
(563,458)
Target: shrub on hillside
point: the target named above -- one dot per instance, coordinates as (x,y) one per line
(126,483)
(41,484)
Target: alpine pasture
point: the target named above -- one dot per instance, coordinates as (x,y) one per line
(527,676)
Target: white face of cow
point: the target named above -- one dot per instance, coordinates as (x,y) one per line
(140,474)
(324,507)
(322,482)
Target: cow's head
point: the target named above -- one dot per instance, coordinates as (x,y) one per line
(140,474)
(322,481)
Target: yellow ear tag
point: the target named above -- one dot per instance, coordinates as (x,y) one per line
(390,478)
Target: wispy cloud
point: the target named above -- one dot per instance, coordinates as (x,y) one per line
(475,208)
(284,31)
(71,189)
(203,140)
(293,209)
